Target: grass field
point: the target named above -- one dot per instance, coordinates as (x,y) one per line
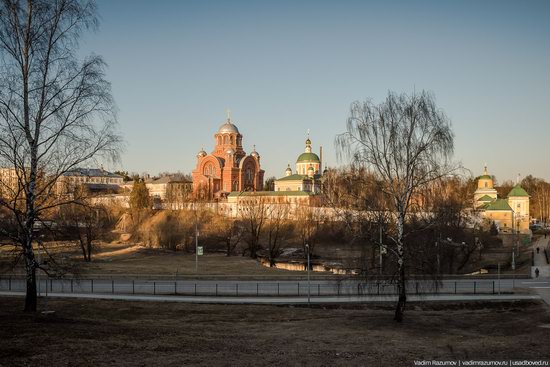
(119,333)
(118,259)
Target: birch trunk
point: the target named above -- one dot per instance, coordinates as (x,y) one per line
(401,283)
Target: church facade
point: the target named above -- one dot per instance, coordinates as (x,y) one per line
(227,168)
(308,174)
(510,214)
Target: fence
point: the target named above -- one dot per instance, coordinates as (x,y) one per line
(252,289)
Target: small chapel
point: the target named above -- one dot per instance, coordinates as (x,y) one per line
(510,214)
(307,177)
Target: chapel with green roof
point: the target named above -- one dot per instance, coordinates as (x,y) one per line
(511,215)
(307,177)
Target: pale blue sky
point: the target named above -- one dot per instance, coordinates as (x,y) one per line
(283,67)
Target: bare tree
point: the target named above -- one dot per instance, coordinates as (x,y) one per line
(253,210)
(84,222)
(406,142)
(355,197)
(309,223)
(227,230)
(56,112)
(539,205)
(278,228)
(178,194)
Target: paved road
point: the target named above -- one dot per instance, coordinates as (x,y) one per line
(541,285)
(290,300)
(540,259)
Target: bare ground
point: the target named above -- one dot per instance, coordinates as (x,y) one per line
(120,333)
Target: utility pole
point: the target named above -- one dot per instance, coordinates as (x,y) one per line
(499,279)
(514,269)
(382,250)
(308,279)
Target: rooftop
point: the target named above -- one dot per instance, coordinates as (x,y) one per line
(268,193)
(517,191)
(498,204)
(91,172)
(308,157)
(294,177)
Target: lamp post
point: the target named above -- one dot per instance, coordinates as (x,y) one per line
(196,238)
(308,279)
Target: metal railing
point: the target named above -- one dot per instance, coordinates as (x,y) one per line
(249,289)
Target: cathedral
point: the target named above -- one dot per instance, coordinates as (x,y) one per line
(227,168)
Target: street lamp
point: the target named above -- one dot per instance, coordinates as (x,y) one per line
(196,238)
(308,279)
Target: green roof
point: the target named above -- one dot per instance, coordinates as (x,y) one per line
(518,191)
(269,193)
(308,157)
(294,177)
(498,204)
(485,198)
(485,177)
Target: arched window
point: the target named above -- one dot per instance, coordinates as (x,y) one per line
(485,183)
(219,140)
(208,169)
(225,139)
(248,175)
(231,140)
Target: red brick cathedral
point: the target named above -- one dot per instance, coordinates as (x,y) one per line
(227,168)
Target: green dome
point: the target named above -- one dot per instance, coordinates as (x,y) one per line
(485,177)
(308,157)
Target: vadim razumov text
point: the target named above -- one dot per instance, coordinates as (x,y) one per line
(483,363)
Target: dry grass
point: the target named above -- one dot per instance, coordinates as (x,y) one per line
(144,261)
(119,333)
(119,259)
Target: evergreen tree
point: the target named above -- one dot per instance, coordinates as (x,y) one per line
(139,197)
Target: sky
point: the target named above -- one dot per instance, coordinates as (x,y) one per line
(283,67)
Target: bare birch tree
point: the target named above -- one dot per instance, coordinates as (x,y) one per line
(407,142)
(56,112)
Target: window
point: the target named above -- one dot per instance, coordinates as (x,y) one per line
(231,140)
(248,175)
(208,169)
(485,183)
(225,139)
